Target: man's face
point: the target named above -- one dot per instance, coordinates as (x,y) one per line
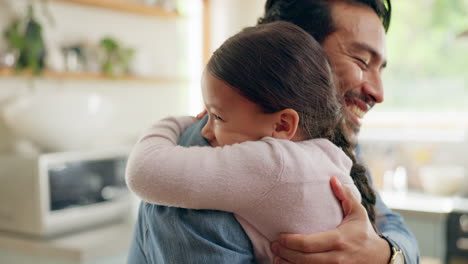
(357,53)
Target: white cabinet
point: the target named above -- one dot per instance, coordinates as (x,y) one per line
(104,245)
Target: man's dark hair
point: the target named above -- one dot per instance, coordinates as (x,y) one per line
(314,16)
(278,66)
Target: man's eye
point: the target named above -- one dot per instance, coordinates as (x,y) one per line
(362,62)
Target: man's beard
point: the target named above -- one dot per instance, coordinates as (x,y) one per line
(352,132)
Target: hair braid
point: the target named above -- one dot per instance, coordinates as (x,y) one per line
(358,174)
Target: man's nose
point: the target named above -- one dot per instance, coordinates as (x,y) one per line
(373,88)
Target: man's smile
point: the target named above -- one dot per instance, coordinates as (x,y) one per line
(356,109)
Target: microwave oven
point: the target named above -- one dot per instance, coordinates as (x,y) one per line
(56,193)
(457,238)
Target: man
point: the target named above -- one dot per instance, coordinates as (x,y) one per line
(352,32)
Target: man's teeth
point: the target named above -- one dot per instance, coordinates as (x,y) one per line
(357,111)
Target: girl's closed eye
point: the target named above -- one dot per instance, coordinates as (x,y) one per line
(217,117)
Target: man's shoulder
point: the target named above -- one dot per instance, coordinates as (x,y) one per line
(192,136)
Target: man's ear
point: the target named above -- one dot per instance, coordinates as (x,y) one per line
(286,124)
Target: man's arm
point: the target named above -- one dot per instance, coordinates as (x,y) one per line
(393,226)
(352,240)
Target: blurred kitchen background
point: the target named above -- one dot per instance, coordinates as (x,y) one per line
(81,79)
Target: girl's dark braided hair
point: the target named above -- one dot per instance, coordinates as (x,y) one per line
(358,173)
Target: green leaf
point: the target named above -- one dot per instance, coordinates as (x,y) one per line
(109,44)
(13,36)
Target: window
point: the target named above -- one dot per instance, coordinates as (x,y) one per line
(428,57)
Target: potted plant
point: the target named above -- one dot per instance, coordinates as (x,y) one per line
(116,58)
(25,38)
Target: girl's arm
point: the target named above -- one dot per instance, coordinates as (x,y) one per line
(222,178)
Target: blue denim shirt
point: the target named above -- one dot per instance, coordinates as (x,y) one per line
(393,225)
(175,235)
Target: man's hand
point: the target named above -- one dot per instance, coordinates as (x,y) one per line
(354,241)
(201,115)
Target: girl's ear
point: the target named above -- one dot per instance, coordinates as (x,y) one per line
(286,124)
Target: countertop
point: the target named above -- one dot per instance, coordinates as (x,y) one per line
(420,202)
(90,246)
(430,261)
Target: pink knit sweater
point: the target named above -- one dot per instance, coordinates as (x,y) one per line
(271,185)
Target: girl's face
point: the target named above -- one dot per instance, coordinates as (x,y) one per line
(232,117)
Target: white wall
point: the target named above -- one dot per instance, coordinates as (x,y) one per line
(171,47)
(229,17)
(163,44)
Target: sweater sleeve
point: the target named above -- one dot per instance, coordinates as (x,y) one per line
(222,178)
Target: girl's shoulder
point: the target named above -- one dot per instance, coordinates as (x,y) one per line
(320,145)
(297,153)
(311,160)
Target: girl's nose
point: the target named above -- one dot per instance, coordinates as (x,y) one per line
(207,131)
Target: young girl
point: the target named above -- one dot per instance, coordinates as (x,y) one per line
(276,127)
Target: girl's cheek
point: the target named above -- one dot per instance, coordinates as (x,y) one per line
(220,135)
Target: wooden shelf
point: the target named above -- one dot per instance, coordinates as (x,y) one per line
(120,5)
(63,76)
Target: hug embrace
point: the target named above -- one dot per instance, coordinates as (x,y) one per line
(269,174)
